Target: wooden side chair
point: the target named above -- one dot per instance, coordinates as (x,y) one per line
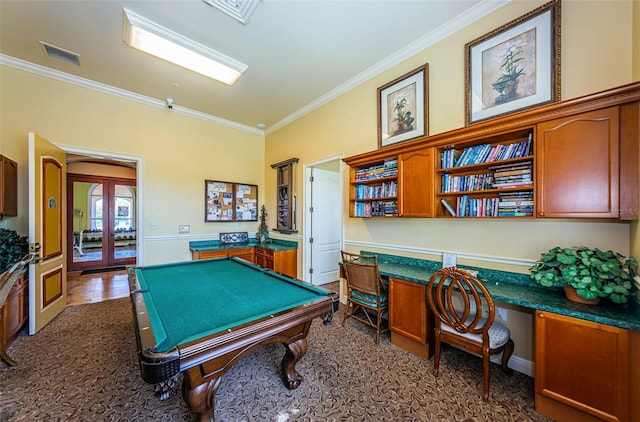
(470,324)
(7,280)
(367,298)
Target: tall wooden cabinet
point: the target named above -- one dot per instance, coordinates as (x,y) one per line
(582,369)
(572,159)
(8,187)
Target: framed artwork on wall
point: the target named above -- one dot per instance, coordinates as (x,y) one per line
(514,67)
(403,108)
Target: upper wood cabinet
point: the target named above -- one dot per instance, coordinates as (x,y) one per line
(572,159)
(8,187)
(578,165)
(415,183)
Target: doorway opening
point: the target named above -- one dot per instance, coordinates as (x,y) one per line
(103,210)
(101,222)
(323,220)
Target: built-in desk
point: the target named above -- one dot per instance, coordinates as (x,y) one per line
(569,336)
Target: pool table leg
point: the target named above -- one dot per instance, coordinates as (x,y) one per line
(294,352)
(201,398)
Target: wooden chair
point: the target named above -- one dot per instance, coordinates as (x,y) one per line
(470,323)
(7,280)
(367,297)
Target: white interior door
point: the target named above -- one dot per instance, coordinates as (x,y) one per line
(326,225)
(47,232)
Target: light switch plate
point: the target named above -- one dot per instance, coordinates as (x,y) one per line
(184,228)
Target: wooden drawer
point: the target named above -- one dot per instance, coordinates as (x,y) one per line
(208,254)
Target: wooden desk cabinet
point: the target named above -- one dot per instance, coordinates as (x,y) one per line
(410,322)
(244,253)
(15,311)
(283,261)
(582,369)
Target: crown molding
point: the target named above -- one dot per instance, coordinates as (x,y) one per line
(443,31)
(110,90)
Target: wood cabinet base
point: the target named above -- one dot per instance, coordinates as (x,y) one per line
(425,351)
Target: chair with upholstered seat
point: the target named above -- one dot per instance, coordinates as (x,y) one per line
(7,280)
(367,297)
(465,317)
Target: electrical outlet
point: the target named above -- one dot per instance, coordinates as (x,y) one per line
(154,226)
(502,313)
(184,228)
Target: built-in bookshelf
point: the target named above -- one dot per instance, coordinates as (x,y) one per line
(572,159)
(374,190)
(493,178)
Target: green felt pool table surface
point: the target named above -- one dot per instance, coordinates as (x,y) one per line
(189,300)
(200,317)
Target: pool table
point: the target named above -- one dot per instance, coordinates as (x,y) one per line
(199,318)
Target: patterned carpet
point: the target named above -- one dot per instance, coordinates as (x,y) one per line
(83,367)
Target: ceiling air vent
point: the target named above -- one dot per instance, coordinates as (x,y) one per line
(61,54)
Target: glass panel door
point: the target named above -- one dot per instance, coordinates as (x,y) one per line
(88,212)
(124,224)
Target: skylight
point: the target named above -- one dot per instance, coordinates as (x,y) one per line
(145,35)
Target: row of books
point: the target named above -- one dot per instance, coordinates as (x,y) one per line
(466,183)
(505,176)
(515,204)
(375,209)
(383,190)
(512,204)
(387,169)
(485,153)
(510,176)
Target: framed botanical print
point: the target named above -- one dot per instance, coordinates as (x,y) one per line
(514,67)
(402,108)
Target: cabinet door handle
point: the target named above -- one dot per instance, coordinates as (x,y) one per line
(540,315)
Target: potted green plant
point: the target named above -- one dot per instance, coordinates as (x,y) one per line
(263,230)
(12,248)
(593,273)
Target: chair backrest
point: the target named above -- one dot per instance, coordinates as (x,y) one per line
(460,301)
(362,272)
(9,277)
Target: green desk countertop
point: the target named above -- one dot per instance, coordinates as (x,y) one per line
(214,245)
(518,289)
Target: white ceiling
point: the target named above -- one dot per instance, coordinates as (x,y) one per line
(300,53)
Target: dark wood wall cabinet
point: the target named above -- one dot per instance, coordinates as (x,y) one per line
(572,159)
(286,199)
(8,187)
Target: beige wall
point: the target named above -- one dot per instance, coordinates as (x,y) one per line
(178,153)
(347,125)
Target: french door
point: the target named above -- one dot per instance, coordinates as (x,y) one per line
(101,222)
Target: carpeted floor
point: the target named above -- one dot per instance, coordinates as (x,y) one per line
(83,367)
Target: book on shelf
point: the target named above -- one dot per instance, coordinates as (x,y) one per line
(448,207)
